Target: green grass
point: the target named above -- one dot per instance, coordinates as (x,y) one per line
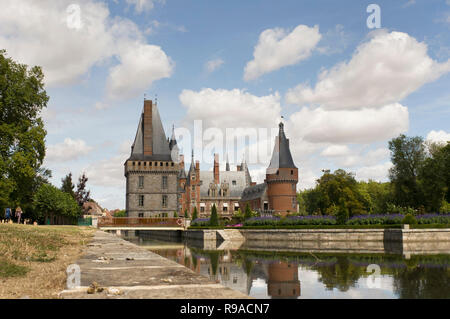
(8,269)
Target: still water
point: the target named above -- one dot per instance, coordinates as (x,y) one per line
(270,274)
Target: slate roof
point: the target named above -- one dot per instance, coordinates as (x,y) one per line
(207,177)
(254,192)
(281,155)
(160,145)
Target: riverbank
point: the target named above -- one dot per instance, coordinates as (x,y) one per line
(34,259)
(115,268)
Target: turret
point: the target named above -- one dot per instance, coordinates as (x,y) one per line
(282,177)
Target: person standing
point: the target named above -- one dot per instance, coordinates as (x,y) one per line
(7,214)
(18,214)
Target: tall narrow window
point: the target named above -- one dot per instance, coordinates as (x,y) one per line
(164,182)
(164,201)
(141,181)
(141,200)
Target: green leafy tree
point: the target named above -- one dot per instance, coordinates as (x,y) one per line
(408,156)
(22,133)
(51,201)
(248,212)
(186,213)
(434,177)
(121,213)
(67,185)
(342,213)
(214,219)
(195,214)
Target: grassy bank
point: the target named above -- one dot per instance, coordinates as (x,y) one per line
(33,259)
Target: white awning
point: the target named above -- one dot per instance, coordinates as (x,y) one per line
(236,204)
(202,205)
(225,204)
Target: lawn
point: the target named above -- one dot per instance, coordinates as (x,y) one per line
(33,259)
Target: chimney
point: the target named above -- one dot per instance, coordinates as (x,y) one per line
(238,168)
(148,138)
(182,161)
(216,168)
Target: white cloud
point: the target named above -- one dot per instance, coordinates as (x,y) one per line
(231,108)
(362,126)
(68,43)
(67,151)
(213,65)
(138,69)
(142,5)
(109,172)
(277,48)
(382,71)
(336,151)
(379,172)
(438,136)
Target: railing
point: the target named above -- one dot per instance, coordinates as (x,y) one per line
(140,222)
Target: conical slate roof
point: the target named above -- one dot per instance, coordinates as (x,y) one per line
(160,145)
(281,156)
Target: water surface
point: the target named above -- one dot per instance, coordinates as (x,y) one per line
(275,274)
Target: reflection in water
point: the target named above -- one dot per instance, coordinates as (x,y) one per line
(267,274)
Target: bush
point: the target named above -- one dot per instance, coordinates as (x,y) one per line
(342,214)
(200,222)
(194,214)
(214,220)
(409,219)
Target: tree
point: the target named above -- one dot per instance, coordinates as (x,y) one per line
(407,156)
(195,214)
(67,185)
(248,212)
(214,219)
(186,213)
(82,195)
(22,133)
(50,201)
(434,177)
(121,213)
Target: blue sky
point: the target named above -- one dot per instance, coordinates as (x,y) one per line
(343,89)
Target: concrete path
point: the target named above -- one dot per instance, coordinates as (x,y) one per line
(115,268)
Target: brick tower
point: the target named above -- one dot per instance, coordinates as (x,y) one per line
(282,177)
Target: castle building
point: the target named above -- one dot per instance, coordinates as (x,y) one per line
(157,184)
(151,171)
(203,189)
(278,193)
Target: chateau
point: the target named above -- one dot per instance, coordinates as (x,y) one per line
(157,184)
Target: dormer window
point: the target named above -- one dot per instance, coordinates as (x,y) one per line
(234,183)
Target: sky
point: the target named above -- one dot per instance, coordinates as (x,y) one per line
(343,80)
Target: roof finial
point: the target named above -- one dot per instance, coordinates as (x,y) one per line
(156,99)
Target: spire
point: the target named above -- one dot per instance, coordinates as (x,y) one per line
(150,141)
(281,156)
(192,167)
(173,140)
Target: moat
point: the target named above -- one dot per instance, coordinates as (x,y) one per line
(277,274)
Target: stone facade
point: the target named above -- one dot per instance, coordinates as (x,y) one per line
(151,173)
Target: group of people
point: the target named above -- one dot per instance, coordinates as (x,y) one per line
(9,214)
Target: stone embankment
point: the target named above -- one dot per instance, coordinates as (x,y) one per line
(115,268)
